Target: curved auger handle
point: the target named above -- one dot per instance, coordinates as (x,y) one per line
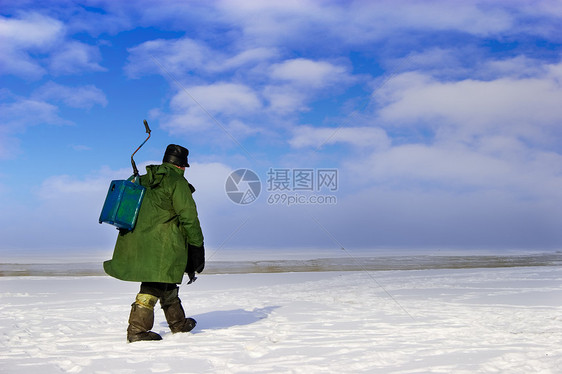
(135,170)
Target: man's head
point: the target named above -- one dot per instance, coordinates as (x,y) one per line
(176,155)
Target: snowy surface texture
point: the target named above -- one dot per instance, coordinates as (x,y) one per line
(505,320)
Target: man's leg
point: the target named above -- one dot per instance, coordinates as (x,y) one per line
(173,310)
(141,319)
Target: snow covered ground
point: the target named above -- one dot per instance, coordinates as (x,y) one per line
(505,320)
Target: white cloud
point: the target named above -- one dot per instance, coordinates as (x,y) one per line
(184,122)
(497,193)
(33,31)
(294,83)
(184,56)
(501,165)
(248,57)
(19,37)
(515,67)
(528,107)
(298,81)
(370,137)
(241,129)
(74,57)
(286,99)
(360,22)
(417,162)
(192,110)
(178,56)
(34,44)
(270,22)
(76,97)
(22,113)
(470,16)
(209,181)
(63,187)
(309,73)
(223,97)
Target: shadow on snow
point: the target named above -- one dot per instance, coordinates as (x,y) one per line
(224,319)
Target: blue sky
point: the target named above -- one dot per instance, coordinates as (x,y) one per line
(442,119)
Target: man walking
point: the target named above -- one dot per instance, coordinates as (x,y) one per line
(155,252)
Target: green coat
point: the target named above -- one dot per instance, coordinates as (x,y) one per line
(156,250)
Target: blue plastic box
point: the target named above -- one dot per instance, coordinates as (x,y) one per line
(122,204)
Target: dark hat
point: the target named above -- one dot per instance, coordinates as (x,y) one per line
(177,155)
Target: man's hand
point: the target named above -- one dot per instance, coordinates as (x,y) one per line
(195,259)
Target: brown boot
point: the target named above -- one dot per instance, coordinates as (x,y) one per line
(175,315)
(141,319)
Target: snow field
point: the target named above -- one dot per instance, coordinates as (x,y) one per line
(428,321)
